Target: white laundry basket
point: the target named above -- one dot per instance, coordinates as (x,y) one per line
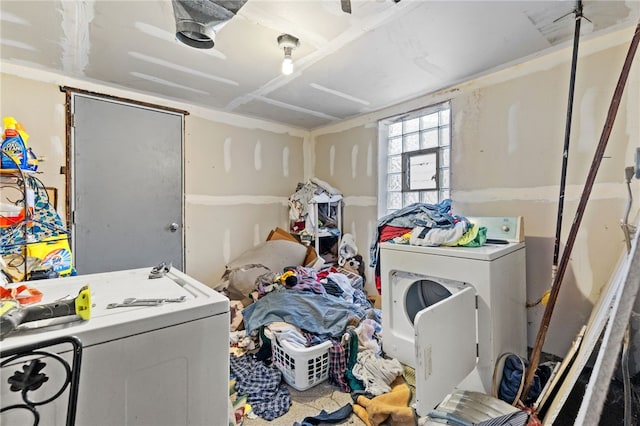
(302,368)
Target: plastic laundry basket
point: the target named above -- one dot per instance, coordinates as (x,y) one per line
(302,368)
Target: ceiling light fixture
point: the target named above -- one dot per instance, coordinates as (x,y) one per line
(288,43)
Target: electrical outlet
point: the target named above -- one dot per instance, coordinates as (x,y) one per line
(637,163)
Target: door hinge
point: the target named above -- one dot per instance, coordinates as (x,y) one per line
(477,350)
(72,119)
(73,217)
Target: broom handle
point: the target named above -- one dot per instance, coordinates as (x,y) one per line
(597,158)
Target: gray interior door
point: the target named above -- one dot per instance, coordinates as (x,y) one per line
(127,186)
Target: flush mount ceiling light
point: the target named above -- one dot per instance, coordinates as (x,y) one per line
(288,43)
(197,21)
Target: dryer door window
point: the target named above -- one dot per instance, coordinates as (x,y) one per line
(422,294)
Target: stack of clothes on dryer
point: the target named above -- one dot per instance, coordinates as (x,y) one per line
(307,307)
(423,224)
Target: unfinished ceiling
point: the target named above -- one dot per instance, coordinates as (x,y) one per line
(382,53)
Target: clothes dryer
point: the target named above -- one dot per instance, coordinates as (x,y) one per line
(450,312)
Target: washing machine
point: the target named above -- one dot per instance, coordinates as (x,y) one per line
(450,312)
(140,365)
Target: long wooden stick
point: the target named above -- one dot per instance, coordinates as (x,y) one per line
(564,261)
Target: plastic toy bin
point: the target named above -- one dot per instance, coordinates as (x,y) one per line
(302,368)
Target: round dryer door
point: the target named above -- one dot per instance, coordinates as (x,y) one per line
(422,294)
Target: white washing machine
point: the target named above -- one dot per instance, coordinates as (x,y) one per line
(142,365)
(450,312)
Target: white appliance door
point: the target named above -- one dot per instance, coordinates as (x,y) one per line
(445,335)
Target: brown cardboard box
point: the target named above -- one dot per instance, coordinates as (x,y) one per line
(281,234)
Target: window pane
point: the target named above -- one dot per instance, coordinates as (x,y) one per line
(444,136)
(429,121)
(444,194)
(394,182)
(394,200)
(411,142)
(422,171)
(395,146)
(395,129)
(395,164)
(444,157)
(411,197)
(430,197)
(444,116)
(412,125)
(444,178)
(429,139)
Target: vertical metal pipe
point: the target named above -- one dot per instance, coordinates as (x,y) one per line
(567,134)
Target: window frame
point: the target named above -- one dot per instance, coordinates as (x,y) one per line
(443,167)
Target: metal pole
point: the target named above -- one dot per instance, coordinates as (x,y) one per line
(591,177)
(567,133)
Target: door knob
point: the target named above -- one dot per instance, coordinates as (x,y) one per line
(173,227)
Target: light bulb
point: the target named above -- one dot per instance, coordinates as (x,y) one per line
(287,65)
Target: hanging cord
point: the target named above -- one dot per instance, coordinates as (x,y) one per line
(628,229)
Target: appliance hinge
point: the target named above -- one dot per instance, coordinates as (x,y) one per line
(73,217)
(476,301)
(477,350)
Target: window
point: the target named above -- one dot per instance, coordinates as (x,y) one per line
(414,158)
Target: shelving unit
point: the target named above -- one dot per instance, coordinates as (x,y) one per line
(323,210)
(38,223)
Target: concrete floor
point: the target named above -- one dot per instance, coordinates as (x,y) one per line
(309,403)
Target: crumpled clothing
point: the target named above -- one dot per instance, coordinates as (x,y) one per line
(345,285)
(433,237)
(376,373)
(476,236)
(269,398)
(389,408)
(335,417)
(307,280)
(337,366)
(365,331)
(289,333)
(417,214)
(320,314)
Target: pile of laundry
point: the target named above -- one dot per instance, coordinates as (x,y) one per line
(423,224)
(305,307)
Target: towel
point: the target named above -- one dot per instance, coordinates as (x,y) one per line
(392,406)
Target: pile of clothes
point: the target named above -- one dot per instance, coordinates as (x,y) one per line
(423,224)
(306,307)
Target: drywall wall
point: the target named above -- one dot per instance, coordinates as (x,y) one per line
(237,185)
(507,143)
(239,172)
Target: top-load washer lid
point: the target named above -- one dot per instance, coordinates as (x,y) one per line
(445,347)
(111,324)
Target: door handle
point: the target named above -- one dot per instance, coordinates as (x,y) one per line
(174,227)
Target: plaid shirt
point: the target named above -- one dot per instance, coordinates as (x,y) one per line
(337,366)
(262,385)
